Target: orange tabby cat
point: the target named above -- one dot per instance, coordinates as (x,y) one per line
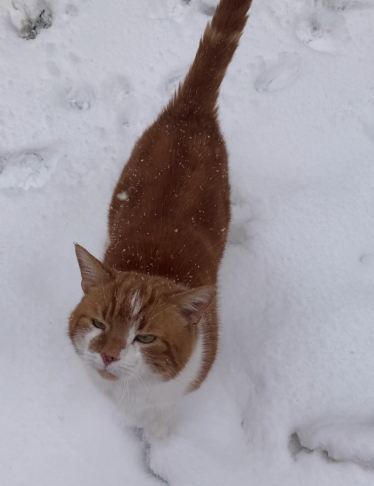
(147,324)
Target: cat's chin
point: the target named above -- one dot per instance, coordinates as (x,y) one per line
(107,376)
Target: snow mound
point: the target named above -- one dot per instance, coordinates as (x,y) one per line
(342,439)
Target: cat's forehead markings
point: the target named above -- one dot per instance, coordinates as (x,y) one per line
(135,303)
(131,335)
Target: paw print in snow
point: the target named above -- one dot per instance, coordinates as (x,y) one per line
(29,168)
(323,31)
(367,260)
(207,7)
(367,119)
(29,18)
(241,218)
(168,9)
(238,233)
(116,89)
(277,74)
(344,440)
(344,4)
(80,97)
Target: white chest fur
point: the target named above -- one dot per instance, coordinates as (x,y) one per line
(149,402)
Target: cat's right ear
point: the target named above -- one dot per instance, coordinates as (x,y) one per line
(193,303)
(93,272)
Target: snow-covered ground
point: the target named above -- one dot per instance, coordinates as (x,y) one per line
(290,401)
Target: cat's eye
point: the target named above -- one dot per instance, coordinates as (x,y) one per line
(98,324)
(145,338)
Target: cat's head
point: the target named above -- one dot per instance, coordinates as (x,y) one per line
(132,325)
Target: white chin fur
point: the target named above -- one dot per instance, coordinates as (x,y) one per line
(141,395)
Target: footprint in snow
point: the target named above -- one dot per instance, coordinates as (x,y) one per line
(344,4)
(237,234)
(367,119)
(207,7)
(168,9)
(241,216)
(367,260)
(176,9)
(52,68)
(30,17)
(323,31)
(70,11)
(340,439)
(79,96)
(29,168)
(116,89)
(277,74)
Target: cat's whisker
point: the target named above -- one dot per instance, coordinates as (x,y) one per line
(156,315)
(141,381)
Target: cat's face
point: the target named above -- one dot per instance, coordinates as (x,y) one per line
(131,325)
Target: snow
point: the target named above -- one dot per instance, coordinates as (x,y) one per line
(290,400)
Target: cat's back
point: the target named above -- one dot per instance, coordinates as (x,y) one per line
(177,175)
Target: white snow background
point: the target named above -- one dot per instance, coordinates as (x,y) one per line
(290,401)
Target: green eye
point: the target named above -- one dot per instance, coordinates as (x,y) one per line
(145,338)
(98,324)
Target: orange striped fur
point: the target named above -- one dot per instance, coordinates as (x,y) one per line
(147,324)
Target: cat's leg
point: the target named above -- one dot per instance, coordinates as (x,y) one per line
(160,423)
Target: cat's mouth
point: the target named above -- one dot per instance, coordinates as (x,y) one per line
(107,376)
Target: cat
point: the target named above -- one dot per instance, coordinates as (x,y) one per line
(147,323)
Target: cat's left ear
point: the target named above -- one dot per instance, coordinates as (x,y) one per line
(193,303)
(93,272)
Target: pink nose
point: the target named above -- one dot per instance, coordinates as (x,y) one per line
(108,359)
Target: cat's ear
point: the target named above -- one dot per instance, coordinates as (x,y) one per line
(92,270)
(193,303)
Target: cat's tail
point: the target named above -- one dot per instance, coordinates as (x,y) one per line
(199,91)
